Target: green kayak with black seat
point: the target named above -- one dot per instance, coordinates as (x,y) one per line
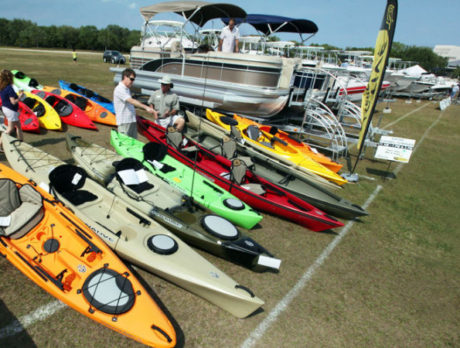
(191,183)
(24,82)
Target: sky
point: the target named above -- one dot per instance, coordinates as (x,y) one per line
(341,23)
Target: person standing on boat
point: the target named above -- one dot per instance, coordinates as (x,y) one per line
(10,104)
(166,105)
(229,37)
(124,104)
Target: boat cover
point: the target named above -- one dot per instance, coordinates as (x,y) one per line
(198,12)
(268,24)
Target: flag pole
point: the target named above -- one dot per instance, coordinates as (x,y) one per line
(381,55)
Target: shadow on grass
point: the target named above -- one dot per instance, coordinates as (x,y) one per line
(47,141)
(384,174)
(10,336)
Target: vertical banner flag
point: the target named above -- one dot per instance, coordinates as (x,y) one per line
(381,55)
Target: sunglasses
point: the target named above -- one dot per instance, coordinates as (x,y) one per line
(132,78)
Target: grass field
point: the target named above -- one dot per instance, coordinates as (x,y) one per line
(389,280)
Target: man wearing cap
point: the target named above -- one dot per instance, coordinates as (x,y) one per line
(124,104)
(166,105)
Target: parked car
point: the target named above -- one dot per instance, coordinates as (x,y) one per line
(114,57)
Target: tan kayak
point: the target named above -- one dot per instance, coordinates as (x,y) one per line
(130,233)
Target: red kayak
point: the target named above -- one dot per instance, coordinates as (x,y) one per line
(69,112)
(235,177)
(29,121)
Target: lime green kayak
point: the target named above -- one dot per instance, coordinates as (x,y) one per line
(24,82)
(204,191)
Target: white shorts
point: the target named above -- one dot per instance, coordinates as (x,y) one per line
(11,116)
(168,121)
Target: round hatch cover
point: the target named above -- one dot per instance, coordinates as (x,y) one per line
(234,204)
(162,244)
(51,245)
(220,227)
(109,291)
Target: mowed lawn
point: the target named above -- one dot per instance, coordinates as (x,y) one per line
(393,280)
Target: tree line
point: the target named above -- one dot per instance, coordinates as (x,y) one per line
(24,33)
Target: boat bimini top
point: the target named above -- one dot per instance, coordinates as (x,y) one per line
(198,12)
(268,24)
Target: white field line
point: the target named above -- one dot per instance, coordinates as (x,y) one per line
(292,294)
(404,116)
(25,321)
(400,165)
(259,331)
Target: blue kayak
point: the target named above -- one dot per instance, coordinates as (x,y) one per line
(73,87)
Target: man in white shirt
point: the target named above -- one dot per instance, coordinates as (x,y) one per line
(124,104)
(229,38)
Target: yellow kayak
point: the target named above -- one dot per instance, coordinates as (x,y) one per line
(47,117)
(273,145)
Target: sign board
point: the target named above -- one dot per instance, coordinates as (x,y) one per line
(395,149)
(443,104)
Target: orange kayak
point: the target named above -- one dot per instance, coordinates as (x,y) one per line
(274,146)
(95,112)
(57,251)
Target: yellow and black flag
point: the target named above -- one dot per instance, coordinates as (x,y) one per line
(381,55)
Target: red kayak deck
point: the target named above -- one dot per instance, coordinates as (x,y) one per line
(27,118)
(252,189)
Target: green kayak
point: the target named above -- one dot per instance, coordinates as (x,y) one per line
(154,157)
(24,82)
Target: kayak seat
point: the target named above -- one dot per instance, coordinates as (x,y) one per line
(33,83)
(23,209)
(68,180)
(229,151)
(81,102)
(228,147)
(130,172)
(154,153)
(61,107)
(19,74)
(238,175)
(253,133)
(30,102)
(176,140)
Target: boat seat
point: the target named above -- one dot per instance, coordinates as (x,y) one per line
(68,180)
(154,153)
(235,133)
(62,108)
(238,174)
(253,132)
(133,169)
(175,139)
(21,208)
(229,151)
